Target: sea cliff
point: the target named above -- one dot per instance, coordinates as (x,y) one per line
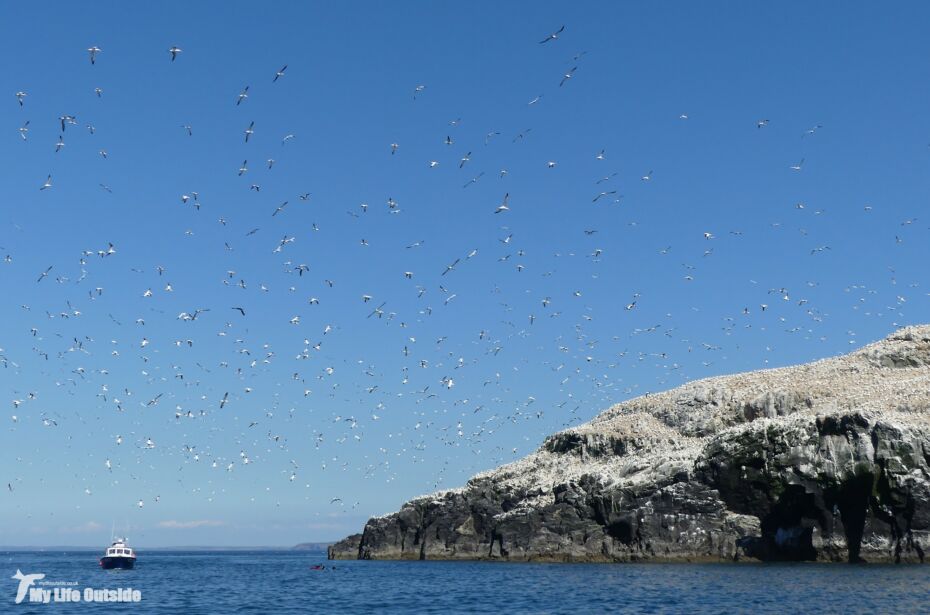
(827,461)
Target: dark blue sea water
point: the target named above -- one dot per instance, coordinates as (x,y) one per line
(191,583)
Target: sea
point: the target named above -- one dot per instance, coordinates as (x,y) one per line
(283,582)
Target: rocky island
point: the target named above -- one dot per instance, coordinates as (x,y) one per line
(827,461)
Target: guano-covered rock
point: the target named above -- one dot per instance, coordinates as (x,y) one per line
(827,461)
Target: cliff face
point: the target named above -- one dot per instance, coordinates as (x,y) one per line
(825,461)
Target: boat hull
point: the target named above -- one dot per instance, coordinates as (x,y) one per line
(125,563)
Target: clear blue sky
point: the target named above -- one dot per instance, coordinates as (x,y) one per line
(531,330)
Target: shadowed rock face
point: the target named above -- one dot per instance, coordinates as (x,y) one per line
(826,461)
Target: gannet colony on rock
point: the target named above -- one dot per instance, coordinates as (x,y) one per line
(827,461)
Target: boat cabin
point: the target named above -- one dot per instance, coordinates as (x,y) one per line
(119,549)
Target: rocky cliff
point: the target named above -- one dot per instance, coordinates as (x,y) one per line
(825,461)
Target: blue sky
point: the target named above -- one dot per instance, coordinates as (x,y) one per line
(336,420)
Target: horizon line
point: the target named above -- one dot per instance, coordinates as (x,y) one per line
(170,547)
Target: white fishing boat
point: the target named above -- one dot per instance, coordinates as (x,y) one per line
(118,555)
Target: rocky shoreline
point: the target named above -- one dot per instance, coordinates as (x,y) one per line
(828,461)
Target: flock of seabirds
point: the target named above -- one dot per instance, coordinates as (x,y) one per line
(461,421)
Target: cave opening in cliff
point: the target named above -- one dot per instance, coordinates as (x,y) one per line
(788,529)
(853,503)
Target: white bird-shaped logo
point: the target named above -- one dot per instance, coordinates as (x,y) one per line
(25,582)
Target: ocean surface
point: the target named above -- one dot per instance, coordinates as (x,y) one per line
(191,583)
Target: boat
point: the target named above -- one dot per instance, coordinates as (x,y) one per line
(118,555)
